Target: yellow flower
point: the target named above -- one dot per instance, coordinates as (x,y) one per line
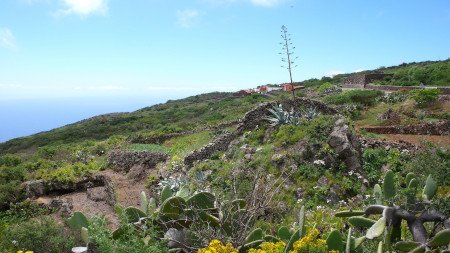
(216,246)
(311,243)
(269,247)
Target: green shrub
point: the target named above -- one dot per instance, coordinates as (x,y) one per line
(10,160)
(11,179)
(70,173)
(324,87)
(130,240)
(41,235)
(364,97)
(289,134)
(425,97)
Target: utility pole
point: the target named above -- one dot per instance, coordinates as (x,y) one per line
(288,50)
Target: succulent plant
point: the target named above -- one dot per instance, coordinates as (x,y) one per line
(416,213)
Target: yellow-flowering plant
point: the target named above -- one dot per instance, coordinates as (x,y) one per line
(216,246)
(269,247)
(311,243)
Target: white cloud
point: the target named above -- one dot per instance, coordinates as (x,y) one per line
(83,7)
(187,17)
(332,73)
(7,39)
(266,3)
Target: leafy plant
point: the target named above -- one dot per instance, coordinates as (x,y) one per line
(40,235)
(425,97)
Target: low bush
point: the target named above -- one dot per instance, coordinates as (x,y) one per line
(425,97)
(69,173)
(40,235)
(10,160)
(11,179)
(324,87)
(364,97)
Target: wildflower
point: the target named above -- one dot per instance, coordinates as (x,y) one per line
(215,246)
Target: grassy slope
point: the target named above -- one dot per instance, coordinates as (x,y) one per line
(173,116)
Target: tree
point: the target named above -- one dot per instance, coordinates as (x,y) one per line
(287,52)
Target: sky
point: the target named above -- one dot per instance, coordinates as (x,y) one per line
(65,60)
(107,48)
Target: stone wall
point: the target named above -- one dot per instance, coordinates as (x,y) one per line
(360,81)
(354,81)
(440,128)
(120,160)
(387,145)
(443,90)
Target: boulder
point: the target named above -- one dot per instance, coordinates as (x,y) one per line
(346,145)
(96,193)
(34,188)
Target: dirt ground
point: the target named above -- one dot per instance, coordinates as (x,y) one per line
(441,141)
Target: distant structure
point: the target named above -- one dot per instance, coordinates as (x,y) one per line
(360,81)
(291,87)
(264,89)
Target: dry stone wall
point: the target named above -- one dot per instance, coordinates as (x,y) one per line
(123,161)
(440,128)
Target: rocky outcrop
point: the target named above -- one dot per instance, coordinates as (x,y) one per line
(346,145)
(439,128)
(37,188)
(123,161)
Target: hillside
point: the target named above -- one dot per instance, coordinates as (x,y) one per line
(218,173)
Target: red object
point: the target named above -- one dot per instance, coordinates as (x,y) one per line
(290,87)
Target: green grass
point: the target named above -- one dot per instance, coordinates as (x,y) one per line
(147,147)
(183,145)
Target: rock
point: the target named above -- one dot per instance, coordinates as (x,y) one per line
(247,149)
(34,188)
(333,194)
(137,172)
(176,238)
(390,116)
(346,145)
(278,158)
(299,193)
(96,194)
(64,206)
(248,156)
(322,182)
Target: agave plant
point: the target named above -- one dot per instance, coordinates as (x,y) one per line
(282,117)
(310,113)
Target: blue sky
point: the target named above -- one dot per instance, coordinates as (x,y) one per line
(79,48)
